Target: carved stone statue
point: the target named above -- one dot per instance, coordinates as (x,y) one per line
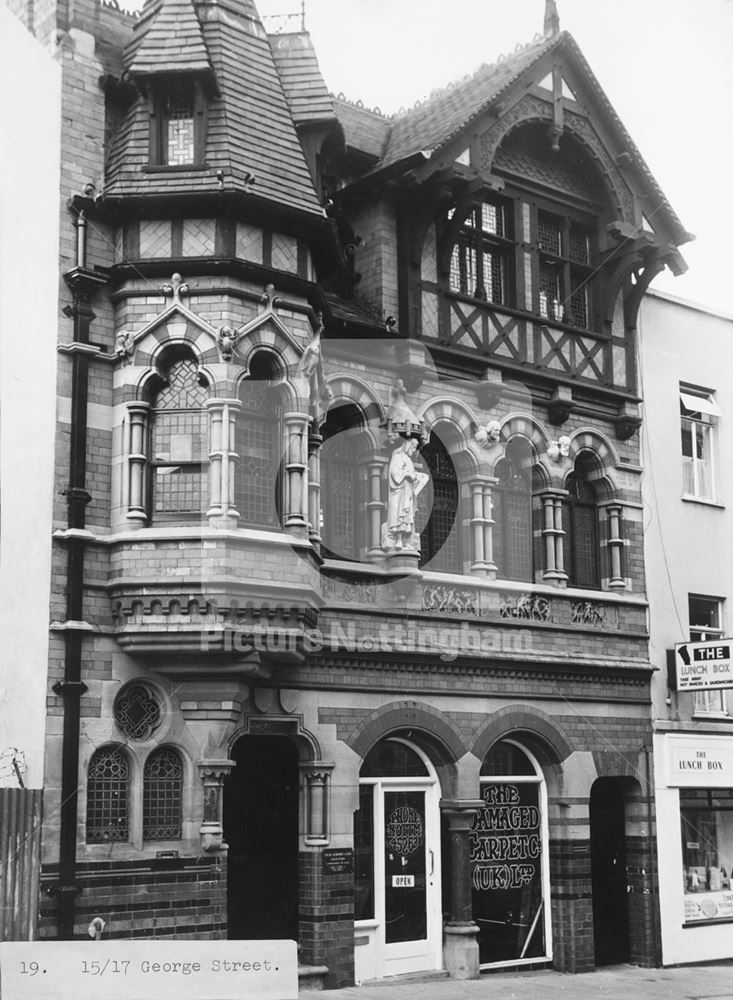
(226,341)
(405,483)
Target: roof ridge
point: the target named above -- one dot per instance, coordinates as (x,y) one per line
(362,106)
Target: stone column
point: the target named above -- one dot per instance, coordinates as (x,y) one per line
(295,472)
(314,489)
(222,511)
(482,527)
(553,535)
(375,507)
(317,800)
(461,947)
(213,773)
(137,462)
(616,580)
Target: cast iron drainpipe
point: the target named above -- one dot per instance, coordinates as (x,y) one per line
(82,283)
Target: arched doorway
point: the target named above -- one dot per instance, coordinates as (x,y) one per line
(261,829)
(608,871)
(509,859)
(397,887)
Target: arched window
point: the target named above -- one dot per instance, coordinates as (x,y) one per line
(180,438)
(438,520)
(580,523)
(259,446)
(342,534)
(108,784)
(513,533)
(163,795)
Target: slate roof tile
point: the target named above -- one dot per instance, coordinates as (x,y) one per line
(172,41)
(300,75)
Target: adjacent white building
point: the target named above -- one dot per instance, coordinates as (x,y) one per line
(686,359)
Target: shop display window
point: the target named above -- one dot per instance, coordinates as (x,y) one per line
(707,853)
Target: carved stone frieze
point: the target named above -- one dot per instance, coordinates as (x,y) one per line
(350,592)
(450,600)
(527,607)
(588,613)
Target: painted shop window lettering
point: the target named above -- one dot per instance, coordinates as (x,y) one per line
(707,850)
(506,844)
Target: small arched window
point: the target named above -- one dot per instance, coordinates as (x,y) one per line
(513,532)
(180,437)
(580,523)
(108,789)
(342,534)
(163,795)
(438,511)
(259,446)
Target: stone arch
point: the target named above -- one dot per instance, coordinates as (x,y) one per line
(547,740)
(273,336)
(292,727)
(445,740)
(459,440)
(529,427)
(349,389)
(605,458)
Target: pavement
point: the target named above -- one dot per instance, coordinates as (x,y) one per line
(620,982)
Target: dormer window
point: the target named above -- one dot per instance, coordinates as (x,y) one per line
(479,258)
(177,125)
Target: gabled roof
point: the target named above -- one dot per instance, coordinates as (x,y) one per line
(250,128)
(433,124)
(300,75)
(170,41)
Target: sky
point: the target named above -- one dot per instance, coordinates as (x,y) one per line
(665,65)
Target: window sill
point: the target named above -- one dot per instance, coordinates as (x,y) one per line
(175,168)
(705,501)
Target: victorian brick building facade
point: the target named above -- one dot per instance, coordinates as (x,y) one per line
(348,628)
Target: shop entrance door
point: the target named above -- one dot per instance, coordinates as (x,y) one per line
(398,891)
(608,872)
(261,829)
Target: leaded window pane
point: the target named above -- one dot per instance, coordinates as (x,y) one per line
(437,512)
(180,441)
(580,523)
(163,795)
(179,131)
(258,447)
(552,293)
(549,234)
(108,781)
(513,532)
(339,496)
(579,305)
(579,248)
(137,712)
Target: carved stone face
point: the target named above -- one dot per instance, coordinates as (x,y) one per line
(493,430)
(564,445)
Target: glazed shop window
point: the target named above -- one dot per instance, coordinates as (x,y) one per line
(707,853)
(706,616)
(508,856)
(479,257)
(180,437)
(699,415)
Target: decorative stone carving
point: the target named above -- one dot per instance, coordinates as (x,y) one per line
(176,287)
(401,421)
(528,607)
(558,450)
(212,773)
(488,435)
(225,340)
(350,593)
(125,347)
(588,613)
(450,600)
(310,368)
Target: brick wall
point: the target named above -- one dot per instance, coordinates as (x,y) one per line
(326,924)
(159,898)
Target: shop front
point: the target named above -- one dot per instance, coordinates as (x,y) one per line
(694,792)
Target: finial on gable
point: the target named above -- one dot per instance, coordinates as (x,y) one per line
(552,19)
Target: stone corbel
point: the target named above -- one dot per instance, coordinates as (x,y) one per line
(627,421)
(561,405)
(212,773)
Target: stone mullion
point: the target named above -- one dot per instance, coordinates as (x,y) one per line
(489,522)
(461,946)
(222,460)
(552,536)
(137,461)
(296,473)
(314,488)
(615,547)
(375,508)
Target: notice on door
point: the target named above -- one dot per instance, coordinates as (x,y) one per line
(149,970)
